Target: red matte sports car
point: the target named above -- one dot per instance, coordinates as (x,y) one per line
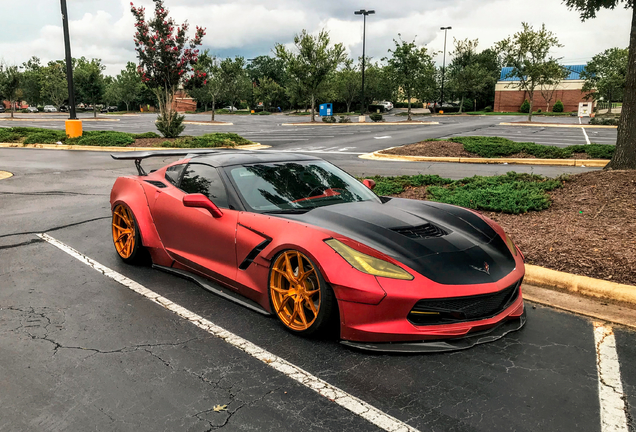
(296,237)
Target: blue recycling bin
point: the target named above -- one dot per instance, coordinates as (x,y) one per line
(326,110)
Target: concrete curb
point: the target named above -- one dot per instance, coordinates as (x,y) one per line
(361,124)
(59,119)
(255,146)
(377,155)
(5,175)
(588,286)
(192,122)
(587,126)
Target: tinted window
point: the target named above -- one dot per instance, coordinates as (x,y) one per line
(174,172)
(204,179)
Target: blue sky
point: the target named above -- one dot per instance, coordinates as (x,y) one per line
(104,28)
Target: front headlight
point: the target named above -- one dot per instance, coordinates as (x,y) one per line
(510,244)
(368,264)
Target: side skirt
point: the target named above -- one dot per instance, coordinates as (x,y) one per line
(220,291)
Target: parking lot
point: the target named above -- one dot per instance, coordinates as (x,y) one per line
(87,345)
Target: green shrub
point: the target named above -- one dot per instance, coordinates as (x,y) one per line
(525,107)
(40,108)
(24,131)
(8,136)
(468,105)
(262,113)
(217,139)
(222,111)
(539,111)
(488,109)
(376,117)
(145,135)
(47,137)
(605,121)
(172,128)
(103,139)
(329,119)
(557,107)
(344,119)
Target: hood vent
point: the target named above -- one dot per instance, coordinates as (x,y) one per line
(156,183)
(427,230)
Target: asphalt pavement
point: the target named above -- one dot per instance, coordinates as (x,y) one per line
(81,351)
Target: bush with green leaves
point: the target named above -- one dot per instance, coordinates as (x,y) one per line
(376,117)
(557,107)
(511,193)
(329,119)
(493,147)
(170,124)
(103,139)
(217,139)
(488,109)
(46,137)
(8,136)
(261,113)
(468,105)
(344,119)
(145,135)
(605,121)
(525,107)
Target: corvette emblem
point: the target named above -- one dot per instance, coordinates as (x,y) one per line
(484,269)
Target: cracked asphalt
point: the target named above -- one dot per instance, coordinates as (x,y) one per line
(79,351)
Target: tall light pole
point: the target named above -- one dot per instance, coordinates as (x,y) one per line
(73,125)
(364,14)
(444,64)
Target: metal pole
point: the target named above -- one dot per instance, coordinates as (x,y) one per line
(69,63)
(364,33)
(443,69)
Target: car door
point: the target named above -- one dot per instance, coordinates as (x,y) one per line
(192,236)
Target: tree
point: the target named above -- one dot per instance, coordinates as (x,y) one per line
(347,84)
(553,74)
(235,81)
(129,85)
(605,75)
(166,57)
(89,81)
(32,81)
(625,153)
(269,92)
(10,78)
(112,93)
(467,75)
(206,85)
(413,70)
(54,84)
(528,52)
(313,63)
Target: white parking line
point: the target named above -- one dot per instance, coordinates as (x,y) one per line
(587,139)
(323,388)
(610,387)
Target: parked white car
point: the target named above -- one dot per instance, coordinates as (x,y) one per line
(32,109)
(388,106)
(49,108)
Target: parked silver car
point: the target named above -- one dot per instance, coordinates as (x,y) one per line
(49,108)
(32,109)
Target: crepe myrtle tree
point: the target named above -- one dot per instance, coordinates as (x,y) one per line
(10,78)
(206,85)
(166,57)
(625,154)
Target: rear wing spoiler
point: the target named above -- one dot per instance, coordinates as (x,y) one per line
(138,156)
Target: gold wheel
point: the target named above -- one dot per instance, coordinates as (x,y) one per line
(123,231)
(295,290)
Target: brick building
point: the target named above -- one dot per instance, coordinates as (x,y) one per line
(509,98)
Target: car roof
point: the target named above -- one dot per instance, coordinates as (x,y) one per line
(224,158)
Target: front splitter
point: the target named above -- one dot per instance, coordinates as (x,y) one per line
(437,346)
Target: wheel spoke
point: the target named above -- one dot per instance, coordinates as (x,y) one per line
(307,274)
(301,269)
(310,293)
(283,303)
(122,235)
(288,268)
(283,274)
(295,314)
(122,215)
(280,290)
(301,312)
(311,305)
(120,228)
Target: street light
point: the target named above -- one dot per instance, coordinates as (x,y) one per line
(444,64)
(364,14)
(73,126)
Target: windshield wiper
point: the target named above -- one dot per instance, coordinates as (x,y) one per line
(288,211)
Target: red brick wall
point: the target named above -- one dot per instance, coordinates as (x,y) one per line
(512,100)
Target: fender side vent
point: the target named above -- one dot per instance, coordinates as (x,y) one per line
(249,259)
(156,183)
(427,230)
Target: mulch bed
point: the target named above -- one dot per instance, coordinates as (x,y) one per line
(452,149)
(150,142)
(589,230)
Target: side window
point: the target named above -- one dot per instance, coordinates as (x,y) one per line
(174,172)
(199,178)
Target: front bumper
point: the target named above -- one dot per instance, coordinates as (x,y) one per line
(436,346)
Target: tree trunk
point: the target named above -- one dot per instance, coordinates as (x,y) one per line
(625,154)
(94,110)
(461,105)
(213,108)
(531,106)
(12,109)
(348,107)
(313,110)
(609,107)
(127,107)
(409,117)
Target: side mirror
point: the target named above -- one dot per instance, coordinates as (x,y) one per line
(198,200)
(368,183)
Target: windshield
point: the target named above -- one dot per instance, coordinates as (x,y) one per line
(282,187)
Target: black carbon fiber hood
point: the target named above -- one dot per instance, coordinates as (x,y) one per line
(461,255)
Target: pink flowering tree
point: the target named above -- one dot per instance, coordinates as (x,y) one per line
(166,58)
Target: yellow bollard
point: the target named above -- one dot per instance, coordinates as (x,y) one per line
(73,128)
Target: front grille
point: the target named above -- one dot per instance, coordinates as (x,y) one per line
(460,309)
(427,230)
